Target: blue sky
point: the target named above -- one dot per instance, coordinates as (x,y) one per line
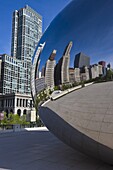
(47,8)
(90,25)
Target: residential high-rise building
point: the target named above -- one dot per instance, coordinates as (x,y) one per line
(15,69)
(49,70)
(26,32)
(81,60)
(62,68)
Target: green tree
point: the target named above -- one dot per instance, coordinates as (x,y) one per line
(14,119)
(56,88)
(23,120)
(5,120)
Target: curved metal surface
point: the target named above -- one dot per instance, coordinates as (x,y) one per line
(82,119)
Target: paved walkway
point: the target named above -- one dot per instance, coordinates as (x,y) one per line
(38,149)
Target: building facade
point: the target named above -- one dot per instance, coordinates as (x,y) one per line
(94,71)
(71,75)
(15,71)
(103,64)
(26,32)
(40,84)
(77,75)
(15,103)
(49,70)
(62,67)
(81,60)
(84,74)
(12,78)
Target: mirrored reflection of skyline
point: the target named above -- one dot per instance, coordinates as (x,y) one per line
(88,25)
(82,29)
(74,81)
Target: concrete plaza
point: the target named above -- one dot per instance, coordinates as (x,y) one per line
(38,149)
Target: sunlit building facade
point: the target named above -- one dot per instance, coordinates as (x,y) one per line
(49,70)
(71,75)
(62,68)
(84,74)
(12,79)
(77,75)
(26,32)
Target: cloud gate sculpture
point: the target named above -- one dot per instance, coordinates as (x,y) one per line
(78,114)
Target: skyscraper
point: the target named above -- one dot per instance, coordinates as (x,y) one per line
(81,60)
(49,70)
(62,68)
(15,69)
(26,32)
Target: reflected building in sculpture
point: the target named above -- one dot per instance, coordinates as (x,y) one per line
(40,84)
(84,73)
(62,68)
(96,70)
(49,70)
(81,60)
(103,64)
(71,75)
(43,71)
(77,75)
(83,118)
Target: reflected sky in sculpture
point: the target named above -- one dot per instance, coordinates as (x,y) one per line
(88,24)
(83,26)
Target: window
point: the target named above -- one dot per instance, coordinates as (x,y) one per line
(17,104)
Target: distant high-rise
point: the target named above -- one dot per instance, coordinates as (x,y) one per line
(77,75)
(103,63)
(62,68)
(71,75)
(49,70)
(81,60)
(84,73)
